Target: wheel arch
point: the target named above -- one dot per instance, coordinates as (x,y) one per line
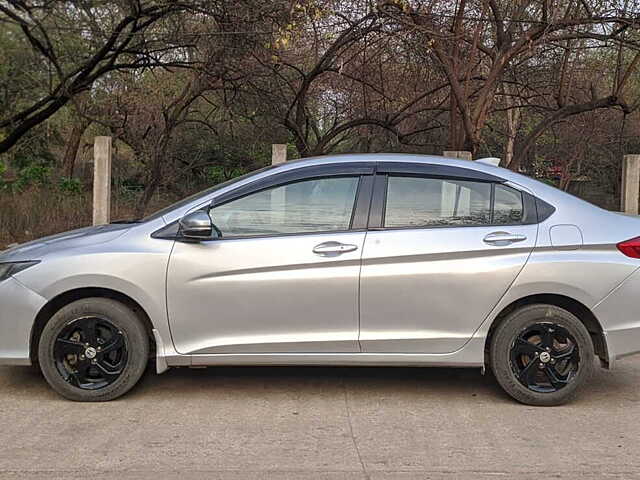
(577,308)
(64,299)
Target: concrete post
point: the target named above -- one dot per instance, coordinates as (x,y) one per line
(630,184)
(278,153)
(102,180)
(461,154)
(450,197)
(279,195)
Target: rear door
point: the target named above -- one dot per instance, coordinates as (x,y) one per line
(444,245)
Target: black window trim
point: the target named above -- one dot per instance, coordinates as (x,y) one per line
(379,201)
(434,170)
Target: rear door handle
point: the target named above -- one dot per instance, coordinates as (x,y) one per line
(503,238)
(336,248)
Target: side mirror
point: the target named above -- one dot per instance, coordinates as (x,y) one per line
(196,225)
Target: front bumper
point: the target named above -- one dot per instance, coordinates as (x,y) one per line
(18,309)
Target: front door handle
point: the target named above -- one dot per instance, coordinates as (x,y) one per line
(333,248)
(503,238)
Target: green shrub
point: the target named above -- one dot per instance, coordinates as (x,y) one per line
(70,186)
(32,175)
(3,170)
(219,174)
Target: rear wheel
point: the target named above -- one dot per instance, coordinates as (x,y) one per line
(541,355)
(93,350)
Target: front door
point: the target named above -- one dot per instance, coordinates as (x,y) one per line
(283,278)
(444,253)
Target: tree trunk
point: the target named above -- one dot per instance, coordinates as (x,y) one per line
(156,158)
(147,195)
(513,123)
(456,132)
(73,144)
(301,146)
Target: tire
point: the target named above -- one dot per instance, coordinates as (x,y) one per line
(523,369)
(93,350)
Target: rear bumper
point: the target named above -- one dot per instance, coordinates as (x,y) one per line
(18,309)
(619,315)
(622,343)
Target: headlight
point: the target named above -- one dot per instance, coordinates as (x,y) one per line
(11,268)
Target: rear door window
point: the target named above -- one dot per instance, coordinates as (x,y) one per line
(429,202)
(415,202)
(508,208)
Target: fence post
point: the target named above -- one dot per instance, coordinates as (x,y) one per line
(449,199)
(630,184)
(461,154)
(101,180)
(278,153)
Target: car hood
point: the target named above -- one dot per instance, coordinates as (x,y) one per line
(37,249)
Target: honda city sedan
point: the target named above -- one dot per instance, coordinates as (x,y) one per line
(386,259)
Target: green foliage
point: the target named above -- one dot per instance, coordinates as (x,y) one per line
(218,174)
(178,130)
(128,189)
(70,186)
(3,170)
(26,159)
(35,149)
(33,175)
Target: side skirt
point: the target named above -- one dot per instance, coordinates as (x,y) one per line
(471,355)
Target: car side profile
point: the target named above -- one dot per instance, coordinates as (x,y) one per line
(368,259)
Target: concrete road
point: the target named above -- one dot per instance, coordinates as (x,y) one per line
(319,423)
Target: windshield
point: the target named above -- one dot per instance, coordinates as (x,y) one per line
(204,193)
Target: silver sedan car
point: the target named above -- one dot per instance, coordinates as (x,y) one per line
(349,260)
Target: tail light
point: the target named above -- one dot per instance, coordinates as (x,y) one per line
(631,248)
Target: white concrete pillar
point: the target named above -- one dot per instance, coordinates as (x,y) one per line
(451,195)
(278,153)
(102,180)
(461,154)
(279,195)
(630,184)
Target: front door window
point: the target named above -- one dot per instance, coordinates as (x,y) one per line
(316,205)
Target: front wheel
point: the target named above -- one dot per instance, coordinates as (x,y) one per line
(93,350)
(541,355)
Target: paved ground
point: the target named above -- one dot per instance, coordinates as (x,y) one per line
(319,423)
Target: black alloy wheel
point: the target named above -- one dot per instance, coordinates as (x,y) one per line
(94,350)
(90,353)
(545,357)
(541,354)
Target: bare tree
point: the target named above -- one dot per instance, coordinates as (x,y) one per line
(476,44)
(112,35)
(577,91)
(343,73)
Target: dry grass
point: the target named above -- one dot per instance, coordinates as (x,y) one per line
(39,212)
